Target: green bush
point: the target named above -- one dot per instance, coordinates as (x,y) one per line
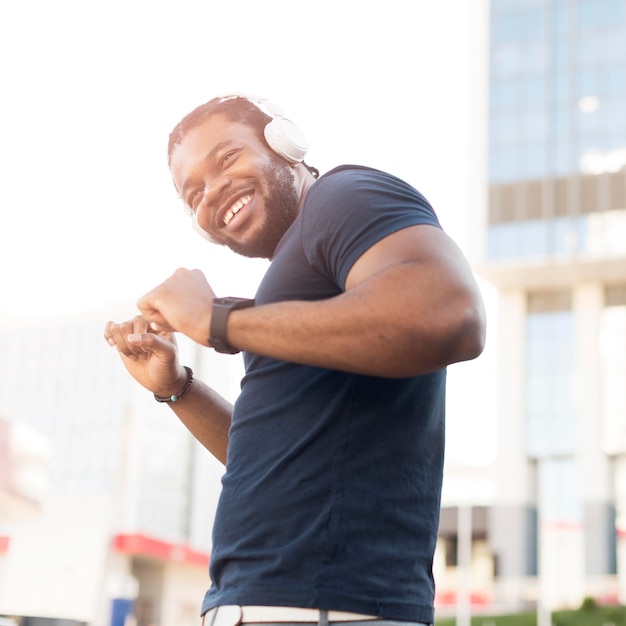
(589,604)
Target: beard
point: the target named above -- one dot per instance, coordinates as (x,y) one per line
(281,203)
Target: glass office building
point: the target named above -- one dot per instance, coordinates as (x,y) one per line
(557,125)
(555,248)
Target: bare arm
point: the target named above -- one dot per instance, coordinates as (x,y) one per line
(152,359)
(207,416)
(410,306)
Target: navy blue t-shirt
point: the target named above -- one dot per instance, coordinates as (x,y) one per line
(332,489)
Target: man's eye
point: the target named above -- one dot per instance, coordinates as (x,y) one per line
(229,157)
(194,199)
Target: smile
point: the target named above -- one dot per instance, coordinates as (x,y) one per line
(236,208)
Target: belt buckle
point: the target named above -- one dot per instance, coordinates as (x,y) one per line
(224,615)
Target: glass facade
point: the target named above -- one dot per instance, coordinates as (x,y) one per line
(538,238)
(551,425)
(558,88)
(557,115)
(518,95)
(549,405)
(560,501)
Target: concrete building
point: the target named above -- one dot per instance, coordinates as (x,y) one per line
(125,524)
(555,248)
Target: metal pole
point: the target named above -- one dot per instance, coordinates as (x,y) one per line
(464,565)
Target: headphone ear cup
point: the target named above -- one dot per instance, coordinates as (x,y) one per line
(285,138)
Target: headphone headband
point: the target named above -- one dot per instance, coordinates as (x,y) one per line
(281,134)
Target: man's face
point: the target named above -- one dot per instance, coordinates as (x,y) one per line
(242,194)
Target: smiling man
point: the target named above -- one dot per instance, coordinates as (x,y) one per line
(235,214)
(334,449)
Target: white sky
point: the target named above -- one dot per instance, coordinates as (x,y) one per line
(92,89)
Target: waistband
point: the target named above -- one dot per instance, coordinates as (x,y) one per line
(233,615)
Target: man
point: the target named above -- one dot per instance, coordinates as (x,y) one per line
(334,450)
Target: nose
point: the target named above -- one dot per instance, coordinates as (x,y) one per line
(213,190)
(199,208)
(205,198)
(191,206)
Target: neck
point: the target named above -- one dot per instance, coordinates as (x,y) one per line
(303,179)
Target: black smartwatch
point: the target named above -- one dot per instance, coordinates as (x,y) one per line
(221,309)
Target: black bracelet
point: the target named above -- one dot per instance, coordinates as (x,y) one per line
(181,393)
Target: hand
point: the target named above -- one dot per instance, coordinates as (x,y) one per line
(181,303)
(150,357)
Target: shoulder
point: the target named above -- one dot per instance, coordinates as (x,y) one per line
(360,191)
(350,209)
(351,178)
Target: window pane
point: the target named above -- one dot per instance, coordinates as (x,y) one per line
(616,80)
(593,14)
(559,495)
(549,408)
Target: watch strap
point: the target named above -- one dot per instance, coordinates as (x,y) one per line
(219,319)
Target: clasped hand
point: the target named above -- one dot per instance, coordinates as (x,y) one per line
(146,343)
(181,303)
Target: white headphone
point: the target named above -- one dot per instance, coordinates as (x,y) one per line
(281,134)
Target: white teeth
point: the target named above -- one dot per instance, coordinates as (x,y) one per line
(236,208)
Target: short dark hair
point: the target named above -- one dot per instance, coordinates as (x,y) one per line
(236,109)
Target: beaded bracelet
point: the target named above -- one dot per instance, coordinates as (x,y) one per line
(181,393)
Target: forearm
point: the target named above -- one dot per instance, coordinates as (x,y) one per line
(379,328)
(151,359)
(207,416)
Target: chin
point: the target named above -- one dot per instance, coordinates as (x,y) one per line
(252,250)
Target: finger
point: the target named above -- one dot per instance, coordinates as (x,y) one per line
(150,343)
(113,334)
(108,337)
(119,336)
(153,315)
(161,327)
(140,324)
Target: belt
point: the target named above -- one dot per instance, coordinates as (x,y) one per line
(233,615)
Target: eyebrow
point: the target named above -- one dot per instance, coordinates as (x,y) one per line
(208,156)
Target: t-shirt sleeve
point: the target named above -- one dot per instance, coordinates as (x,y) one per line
(348,211)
